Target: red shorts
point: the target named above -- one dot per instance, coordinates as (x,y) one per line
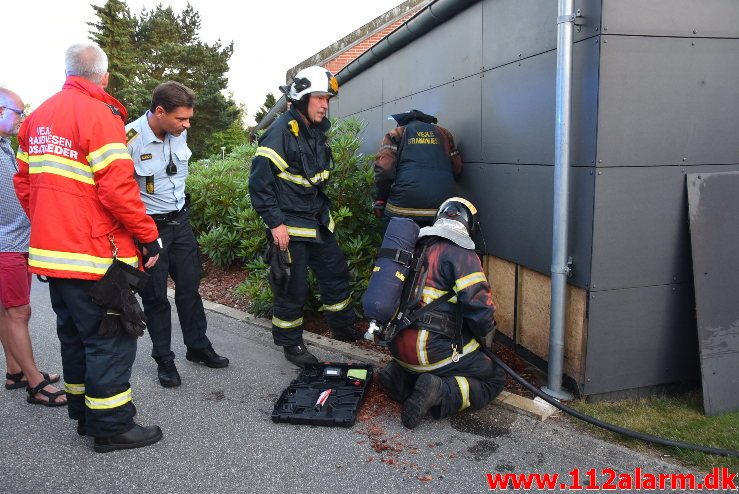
(15,279)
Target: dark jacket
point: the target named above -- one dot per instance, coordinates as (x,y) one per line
(288,173)
(415,169)
(450,267)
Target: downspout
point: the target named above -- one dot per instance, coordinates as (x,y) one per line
(560,265)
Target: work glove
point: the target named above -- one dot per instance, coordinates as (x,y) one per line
(378,208)
(153,248)
(279,267)
(114,291)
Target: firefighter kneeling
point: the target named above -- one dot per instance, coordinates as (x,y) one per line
(439,366)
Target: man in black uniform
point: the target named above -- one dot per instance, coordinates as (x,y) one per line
(415,170)
(438,365)
(289,172)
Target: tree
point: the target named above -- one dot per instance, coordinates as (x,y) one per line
(160,45)
(269,102)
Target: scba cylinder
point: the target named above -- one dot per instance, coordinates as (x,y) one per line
(382,298)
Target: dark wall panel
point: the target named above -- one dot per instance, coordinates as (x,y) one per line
(704,18)
(667,101)
(640,233)
(640,337)
(517,29)
(449,52)
(515,203)
(372,134)
(363,92)
(518,102)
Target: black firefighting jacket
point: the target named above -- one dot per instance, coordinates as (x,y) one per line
(288,173)
(415,169)
(450,268)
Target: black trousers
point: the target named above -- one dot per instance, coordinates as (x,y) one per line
(97,370)
(328,264)
(473,382)
(180,259)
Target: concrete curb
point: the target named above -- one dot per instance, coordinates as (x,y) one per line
(538,409)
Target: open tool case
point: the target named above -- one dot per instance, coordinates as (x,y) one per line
(308,401)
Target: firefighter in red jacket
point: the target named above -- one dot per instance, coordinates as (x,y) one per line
(75,181)
(415,169)
(438,365)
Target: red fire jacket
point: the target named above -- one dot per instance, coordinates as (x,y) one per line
(75,181)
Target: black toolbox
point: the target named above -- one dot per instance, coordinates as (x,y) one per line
(328,393)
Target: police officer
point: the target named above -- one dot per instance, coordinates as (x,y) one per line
(289,173)
(438,365)
(415,170)
(157,142)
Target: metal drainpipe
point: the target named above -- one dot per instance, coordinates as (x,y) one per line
(560,267)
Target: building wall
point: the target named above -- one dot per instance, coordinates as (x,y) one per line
(651,99)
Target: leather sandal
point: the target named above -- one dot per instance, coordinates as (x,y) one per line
(51,397)
(19,382)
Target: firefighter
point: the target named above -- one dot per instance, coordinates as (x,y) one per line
(438,365)
(287,183)
(75,182)
(415,170)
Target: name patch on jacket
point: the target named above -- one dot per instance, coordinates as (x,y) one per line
(145,157)
(150,184)
(424,137)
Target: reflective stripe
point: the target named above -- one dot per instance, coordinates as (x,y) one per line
(107,154)
(48,163)
(421,340)
(464,201)
(392,208)
(296,231)
(464,388)
(389,146)
(273,156)
(468,348)
(430,294)
(114,401)
(337,306)
(21,155)
(74,389)
(286,324)
(300,180)
(70,261)
(469,280)
(331,224)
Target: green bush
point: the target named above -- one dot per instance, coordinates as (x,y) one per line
(230,231)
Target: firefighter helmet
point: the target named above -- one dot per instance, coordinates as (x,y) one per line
(311,80)
(456,220)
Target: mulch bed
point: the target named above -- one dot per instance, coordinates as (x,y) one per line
(218,286)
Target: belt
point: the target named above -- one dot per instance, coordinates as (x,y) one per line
(167,217)
(438,322)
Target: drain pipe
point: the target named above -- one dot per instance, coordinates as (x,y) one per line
(560,266)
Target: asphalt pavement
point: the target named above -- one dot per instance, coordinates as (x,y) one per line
(218,435)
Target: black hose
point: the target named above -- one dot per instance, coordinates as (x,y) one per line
(610,427)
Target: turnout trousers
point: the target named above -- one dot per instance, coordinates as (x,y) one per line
(97,370)
(180,259)
(328,264)
(473,382)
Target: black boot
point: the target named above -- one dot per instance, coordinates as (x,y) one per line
(299,355)
(396,381)
(206,356)
(347,333)
(136,437)
(168,375)
(425,396)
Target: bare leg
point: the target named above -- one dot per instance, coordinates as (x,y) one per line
(17,342)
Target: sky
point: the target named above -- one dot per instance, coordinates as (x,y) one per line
(269,38)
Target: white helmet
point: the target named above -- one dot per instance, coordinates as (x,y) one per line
(311,80)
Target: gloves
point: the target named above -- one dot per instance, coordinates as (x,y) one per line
(279,267)
(114,291)
(378,208)
(153,248)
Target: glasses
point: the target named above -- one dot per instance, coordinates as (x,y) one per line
(20,113)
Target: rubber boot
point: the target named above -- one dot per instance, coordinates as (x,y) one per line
(425,396)
(396,381)
(299,355)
